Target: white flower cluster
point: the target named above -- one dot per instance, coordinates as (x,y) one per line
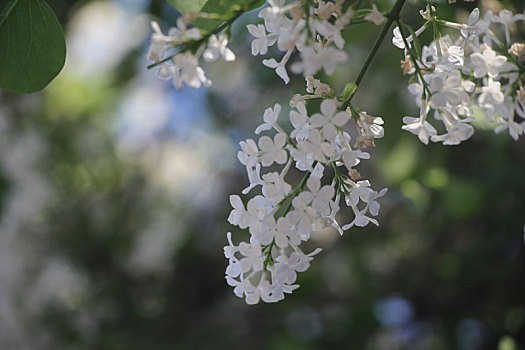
(452,77)
(183,66)
(315,31)
(476,71)
(280,218)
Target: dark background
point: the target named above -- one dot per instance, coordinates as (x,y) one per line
(114,197)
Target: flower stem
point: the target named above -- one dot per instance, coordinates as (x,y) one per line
(392,16)
(267,249)
(299,189)
(426,88)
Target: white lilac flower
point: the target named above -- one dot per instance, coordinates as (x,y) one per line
(238,210)
(452,57)
(317,147)
(252,293)
(419,126)
(275,231)
(397,39)
(360,220)
(159,42)
(371,126)
(329,220)
(303,155)
(318,197)
(182,33)
(190,71)
(270,118)
(302,217)
(457,132)
(330,57)
(280,67)
(329,119)
(261,292)
(310,62)
(168,71)
(217,48)
(301,226)
(253,258)
(373,205)
(262,41)
(375,16)
(317,56)
(274,187)
(360,191)
(287,267)
(300,122)
(230,249)
(506,18)
(416,90)
(491,95)
(330,31)
(314,86)
(272,150)
(254,176)
(290,34)
(249,153)
(446,89)
(488,63)
(325,9)
(352,157)
(475,26)
(255,212)
(515,129)
(273,15)
(277,290)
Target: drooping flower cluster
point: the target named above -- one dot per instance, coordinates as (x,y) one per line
(183,67)
(280,218)
(456,77)
(451,77)
(314,31)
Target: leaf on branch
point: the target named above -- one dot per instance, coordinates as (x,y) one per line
(219,7)
(33,48)
(185,6)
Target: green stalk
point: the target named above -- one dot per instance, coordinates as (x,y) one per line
(392,16)
(426,88)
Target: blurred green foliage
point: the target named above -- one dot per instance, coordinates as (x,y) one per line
(444,270)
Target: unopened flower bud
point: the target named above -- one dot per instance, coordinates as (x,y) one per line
(354,174)
(407,66)
(517,49)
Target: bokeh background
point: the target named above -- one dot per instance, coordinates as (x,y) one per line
(114,197)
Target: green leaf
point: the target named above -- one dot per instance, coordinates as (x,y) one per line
(33,48)
(185,6)
(222,8)
(348,92)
